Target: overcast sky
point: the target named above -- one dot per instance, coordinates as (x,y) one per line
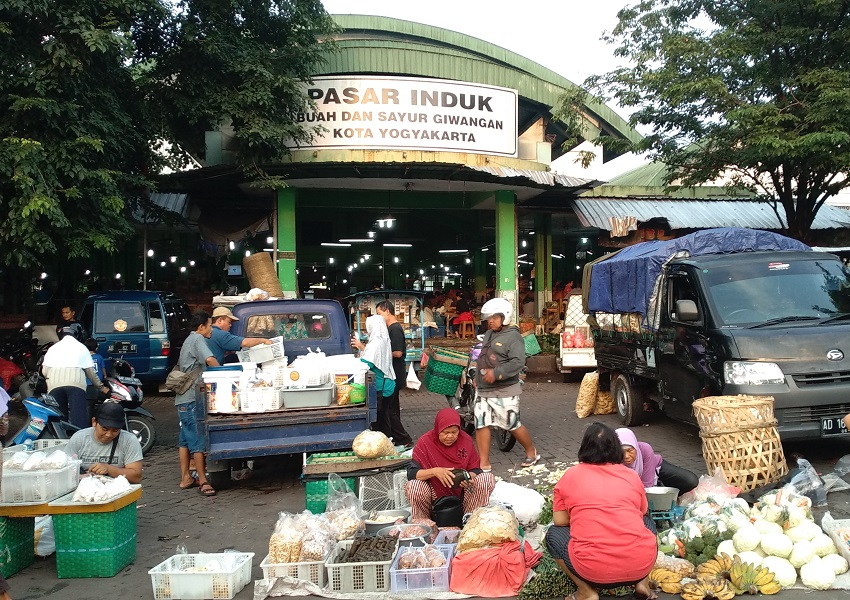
(563,35)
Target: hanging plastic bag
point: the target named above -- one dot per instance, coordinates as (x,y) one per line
(44,538)
(413,382)
(343,509)
(423,362)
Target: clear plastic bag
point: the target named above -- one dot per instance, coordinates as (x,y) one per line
(710,485)
(807,482)
(412,558)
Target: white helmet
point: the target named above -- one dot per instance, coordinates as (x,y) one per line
(498,306)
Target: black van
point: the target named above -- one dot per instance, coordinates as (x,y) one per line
(146,328)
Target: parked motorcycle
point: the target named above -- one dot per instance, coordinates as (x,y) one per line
(126,389)
(37,418)
(21,350)
(463,401)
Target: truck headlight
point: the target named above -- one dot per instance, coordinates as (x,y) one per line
(752,373)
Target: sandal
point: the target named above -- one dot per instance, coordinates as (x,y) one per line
(206,489)
(191,485)
(530,462)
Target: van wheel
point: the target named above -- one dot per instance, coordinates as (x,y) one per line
(629,399)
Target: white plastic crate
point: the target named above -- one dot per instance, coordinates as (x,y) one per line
(356,577)
(39,486)
(447,537)
(313,571)
(37,445)
(264,352)
(256,400)
(432,579)
(170,579)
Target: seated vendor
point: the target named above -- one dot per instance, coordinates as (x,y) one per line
(105,448)
(652,469)
(430,476)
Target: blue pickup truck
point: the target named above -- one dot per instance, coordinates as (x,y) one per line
(304,324)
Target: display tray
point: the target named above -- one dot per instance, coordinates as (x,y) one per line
(68,499)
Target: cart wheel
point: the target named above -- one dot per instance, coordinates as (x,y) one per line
(630,399)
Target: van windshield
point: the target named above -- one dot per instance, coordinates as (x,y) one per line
(754,292)
(292,326)
(119,317)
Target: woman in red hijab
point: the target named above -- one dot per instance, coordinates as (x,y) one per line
(430,476)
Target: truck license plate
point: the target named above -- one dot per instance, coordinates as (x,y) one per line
(833,426)
(122,348)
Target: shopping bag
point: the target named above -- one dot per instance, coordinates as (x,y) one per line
(413,382)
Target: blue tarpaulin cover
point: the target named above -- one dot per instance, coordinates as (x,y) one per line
(624,283)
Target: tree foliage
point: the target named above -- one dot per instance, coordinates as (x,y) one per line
(757,91)
(90,89)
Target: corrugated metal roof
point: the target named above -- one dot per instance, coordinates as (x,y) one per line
(173,202)
(541,177)
(696,214)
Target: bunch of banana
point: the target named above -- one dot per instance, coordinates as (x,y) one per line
(749,579)
(719,566)
(705,588)
(666,580)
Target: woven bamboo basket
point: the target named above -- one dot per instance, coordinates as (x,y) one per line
(718,414)
(261,273)
(739,436)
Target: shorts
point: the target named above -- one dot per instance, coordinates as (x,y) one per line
(497,412)
(190,435)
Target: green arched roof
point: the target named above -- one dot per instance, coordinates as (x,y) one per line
(382,45)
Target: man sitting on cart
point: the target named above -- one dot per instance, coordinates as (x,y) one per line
(106,448)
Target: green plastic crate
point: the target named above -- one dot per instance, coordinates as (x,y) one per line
(440,384)
(17,544)
(532,345)
(316,492)
(95,544)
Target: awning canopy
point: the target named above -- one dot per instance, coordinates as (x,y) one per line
(609,213)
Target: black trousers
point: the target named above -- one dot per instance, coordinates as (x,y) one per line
(389,418)
(676,477)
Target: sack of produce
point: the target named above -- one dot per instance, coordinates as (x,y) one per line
(488,526)
(372,444)
(586,400)
(604,404)
(303,537)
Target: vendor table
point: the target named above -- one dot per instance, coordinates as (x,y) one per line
(92,539)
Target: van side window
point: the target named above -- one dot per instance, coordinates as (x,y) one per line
(119,317)
(157,323)
(681,288)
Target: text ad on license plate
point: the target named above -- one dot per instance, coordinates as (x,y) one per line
(122,348)
(833,426)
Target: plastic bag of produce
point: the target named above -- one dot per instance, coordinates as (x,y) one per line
(604,404)
(372,444)
(806,482)
(527,503)
(710,485)
(45,540)
(412,558)
(286,541)
(487,527)
(586,400)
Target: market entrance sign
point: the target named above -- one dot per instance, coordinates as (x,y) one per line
(407,113)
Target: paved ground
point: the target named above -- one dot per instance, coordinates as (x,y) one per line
(242,517)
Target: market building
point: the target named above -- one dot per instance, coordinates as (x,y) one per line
(432,168)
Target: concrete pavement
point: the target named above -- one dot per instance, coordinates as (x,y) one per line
(243,516)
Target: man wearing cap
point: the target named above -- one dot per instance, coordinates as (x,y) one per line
(106,448)
(222,341)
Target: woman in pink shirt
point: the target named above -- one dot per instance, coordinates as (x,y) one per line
(600,536)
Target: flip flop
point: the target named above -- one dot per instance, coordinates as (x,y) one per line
(191,485)
(206,489)
(530,462)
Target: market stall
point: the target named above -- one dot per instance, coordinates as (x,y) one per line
(408,305)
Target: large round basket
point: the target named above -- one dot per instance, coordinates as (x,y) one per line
(739,436)
(261,273)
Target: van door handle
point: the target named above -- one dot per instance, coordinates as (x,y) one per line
(100,339)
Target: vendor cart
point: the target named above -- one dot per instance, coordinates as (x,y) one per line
(408,310)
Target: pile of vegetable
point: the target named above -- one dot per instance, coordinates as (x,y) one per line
(761,549)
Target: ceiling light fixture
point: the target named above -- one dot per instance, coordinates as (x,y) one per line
(398,245)
(356,241)
(334,245)
(457,251)
(370,234)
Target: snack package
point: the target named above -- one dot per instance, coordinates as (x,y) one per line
(488,526)
(286,541)
(412,558)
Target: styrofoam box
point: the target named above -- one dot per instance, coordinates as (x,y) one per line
(171,578)
(307,571)
(432,579)
(356,577)
(39,486)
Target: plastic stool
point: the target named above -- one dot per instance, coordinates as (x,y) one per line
(467,329)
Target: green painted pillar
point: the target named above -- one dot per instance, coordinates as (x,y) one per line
(506,254)
(542,260)
(479,270)
(286,242)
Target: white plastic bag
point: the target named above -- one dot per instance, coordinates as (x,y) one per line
(526,503)
(413,382)
(45,540)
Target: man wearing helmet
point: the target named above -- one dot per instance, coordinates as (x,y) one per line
(105,448)
(497,382)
